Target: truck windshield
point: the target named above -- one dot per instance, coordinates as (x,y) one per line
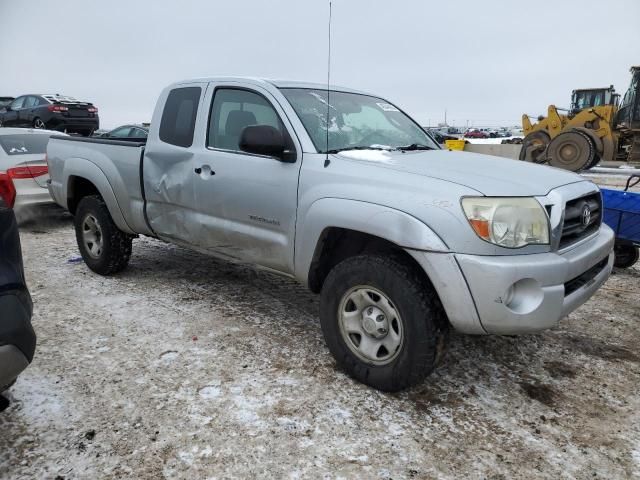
(356,121)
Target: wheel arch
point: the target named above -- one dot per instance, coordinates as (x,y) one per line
(335,229)
(84,178)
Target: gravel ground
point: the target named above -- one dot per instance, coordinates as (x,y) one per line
(184,366)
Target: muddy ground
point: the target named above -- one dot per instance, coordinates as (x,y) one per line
(184,366)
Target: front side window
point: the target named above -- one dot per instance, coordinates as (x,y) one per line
(233,110)
(179,116)
(355,121)
(17,103)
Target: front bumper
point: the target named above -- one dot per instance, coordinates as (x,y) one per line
(516,294)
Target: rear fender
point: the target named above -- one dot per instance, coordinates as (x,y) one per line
(80,167)
(377,220)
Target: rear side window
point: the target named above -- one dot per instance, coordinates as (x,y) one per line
(179,116)
(24,144)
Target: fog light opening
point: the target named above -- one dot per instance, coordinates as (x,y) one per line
(524,296)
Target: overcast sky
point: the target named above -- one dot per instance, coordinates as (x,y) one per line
(486,62)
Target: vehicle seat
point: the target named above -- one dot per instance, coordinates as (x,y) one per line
(237,120)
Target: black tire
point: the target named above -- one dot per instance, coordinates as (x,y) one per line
(423,321)
(39,124)
(625,256)
(534,147)
(115,251)
(572,150)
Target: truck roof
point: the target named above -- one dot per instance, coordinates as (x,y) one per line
(271,82)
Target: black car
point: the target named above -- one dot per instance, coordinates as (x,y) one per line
(439,136)
(4,101)
(52,112)
(128,132)
(17,338)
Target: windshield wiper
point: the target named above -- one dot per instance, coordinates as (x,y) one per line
(414,146)
(338,150)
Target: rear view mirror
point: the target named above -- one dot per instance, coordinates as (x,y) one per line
(263,140)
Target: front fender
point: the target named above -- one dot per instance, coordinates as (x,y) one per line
(383,222)
(80,167)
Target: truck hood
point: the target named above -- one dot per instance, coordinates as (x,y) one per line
(486,174)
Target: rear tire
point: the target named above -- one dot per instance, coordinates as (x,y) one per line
(39,124)
(371,302)
(104,247)
(625,256)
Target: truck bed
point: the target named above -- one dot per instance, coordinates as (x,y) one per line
(116,163)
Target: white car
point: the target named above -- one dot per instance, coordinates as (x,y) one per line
(23,158)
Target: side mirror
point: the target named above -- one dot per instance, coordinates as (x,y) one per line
(264,140)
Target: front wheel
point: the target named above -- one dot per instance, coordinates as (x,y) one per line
(104,247)
(382,321)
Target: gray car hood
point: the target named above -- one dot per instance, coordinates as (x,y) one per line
(489,175)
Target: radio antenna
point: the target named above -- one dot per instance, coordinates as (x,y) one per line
(326,162)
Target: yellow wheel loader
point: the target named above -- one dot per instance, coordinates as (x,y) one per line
(596,127)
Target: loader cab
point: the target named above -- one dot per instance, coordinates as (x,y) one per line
(629,111)
(592,97)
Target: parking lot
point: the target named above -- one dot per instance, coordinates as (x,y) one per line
(190,367)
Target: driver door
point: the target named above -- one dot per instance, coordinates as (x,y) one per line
(246,202)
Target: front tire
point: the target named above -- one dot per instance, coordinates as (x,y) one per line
(104,247)
(572,150)
(382,321)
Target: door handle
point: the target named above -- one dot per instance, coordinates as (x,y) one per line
(206,169)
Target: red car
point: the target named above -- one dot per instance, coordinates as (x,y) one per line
(476,134)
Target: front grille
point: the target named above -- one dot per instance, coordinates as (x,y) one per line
(574,227)
(581,280)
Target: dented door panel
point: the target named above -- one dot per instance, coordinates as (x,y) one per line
(168,178)
(247,203)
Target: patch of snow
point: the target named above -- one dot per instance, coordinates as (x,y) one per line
(368,155)
(209,392)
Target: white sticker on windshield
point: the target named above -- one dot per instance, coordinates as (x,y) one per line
(387,107)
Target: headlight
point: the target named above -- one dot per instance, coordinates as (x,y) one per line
(508,222)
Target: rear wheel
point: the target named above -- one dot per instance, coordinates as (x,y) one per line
(38,123)
(534,147)
(571,150)
(382,321)
(625,256)
(104,247)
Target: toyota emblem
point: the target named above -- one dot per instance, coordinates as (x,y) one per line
(586,216)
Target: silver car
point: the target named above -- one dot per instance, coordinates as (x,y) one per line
(23,158)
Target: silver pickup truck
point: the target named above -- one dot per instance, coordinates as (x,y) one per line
(344,192)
